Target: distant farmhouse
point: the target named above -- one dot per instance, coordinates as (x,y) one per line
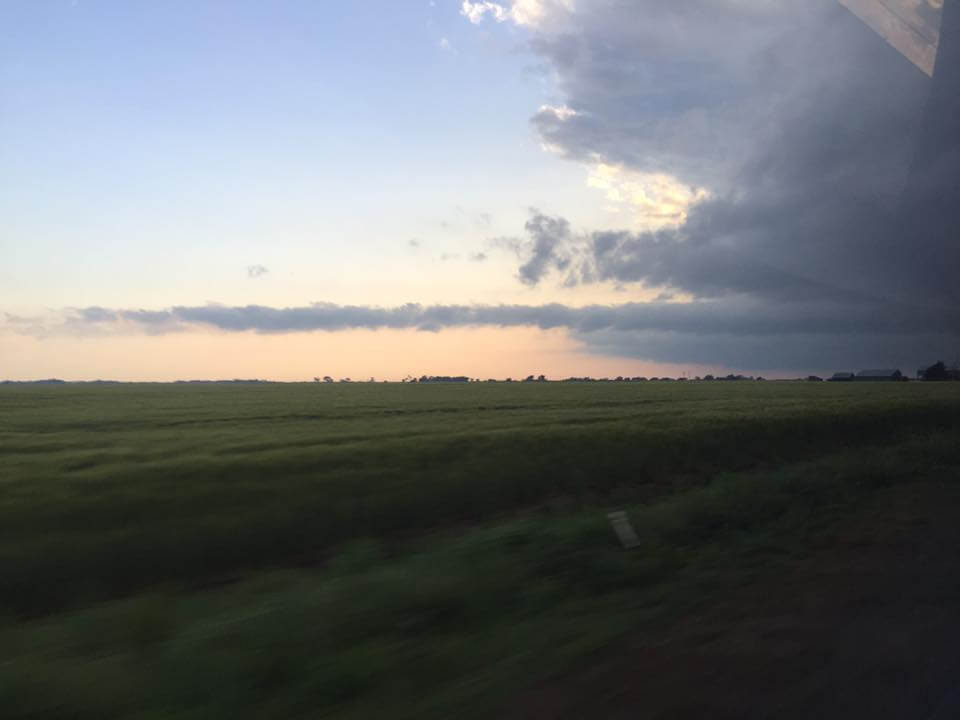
(842,377)
(879,375)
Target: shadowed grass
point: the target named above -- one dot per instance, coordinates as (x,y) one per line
(443,625)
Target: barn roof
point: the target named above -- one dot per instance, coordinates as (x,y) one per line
(878,373)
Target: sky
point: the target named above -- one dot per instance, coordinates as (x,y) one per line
(283,190)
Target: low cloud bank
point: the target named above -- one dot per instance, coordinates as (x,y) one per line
(736,332)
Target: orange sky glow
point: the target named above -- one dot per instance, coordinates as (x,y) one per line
(358,354)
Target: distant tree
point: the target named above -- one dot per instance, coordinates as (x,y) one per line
(541,378)
(708,377)
(937,371)
(327,379)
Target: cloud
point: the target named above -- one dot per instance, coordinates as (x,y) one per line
(655,200)
(549,240)
(742,316)
(677,258)
(475,11)
(785,168)
(797,353)
(255,271)
(520,12)
(477,218)
(745,333)
(813,161)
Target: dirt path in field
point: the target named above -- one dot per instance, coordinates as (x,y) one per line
(866,624)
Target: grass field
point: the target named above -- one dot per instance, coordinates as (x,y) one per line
(304,550)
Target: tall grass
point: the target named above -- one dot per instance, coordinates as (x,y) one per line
(109,490)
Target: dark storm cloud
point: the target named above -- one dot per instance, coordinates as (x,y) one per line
(673,258)
(798,353)
(829,181)
(672,86)
(801,121)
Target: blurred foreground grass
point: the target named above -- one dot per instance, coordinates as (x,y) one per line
(281,551)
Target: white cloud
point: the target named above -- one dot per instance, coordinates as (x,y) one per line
(520,12)
(527,12)
(655,200)
(255,271)
(475,11)
(560,112)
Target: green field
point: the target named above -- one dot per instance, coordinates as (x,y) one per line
(270,550)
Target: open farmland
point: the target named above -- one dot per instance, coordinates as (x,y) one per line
(282,550)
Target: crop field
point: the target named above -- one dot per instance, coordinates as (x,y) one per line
(354,550)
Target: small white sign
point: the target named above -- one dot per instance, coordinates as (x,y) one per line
(623,529)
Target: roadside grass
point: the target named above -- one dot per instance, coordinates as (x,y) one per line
(447,623)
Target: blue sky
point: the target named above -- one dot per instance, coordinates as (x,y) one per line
(152,151)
